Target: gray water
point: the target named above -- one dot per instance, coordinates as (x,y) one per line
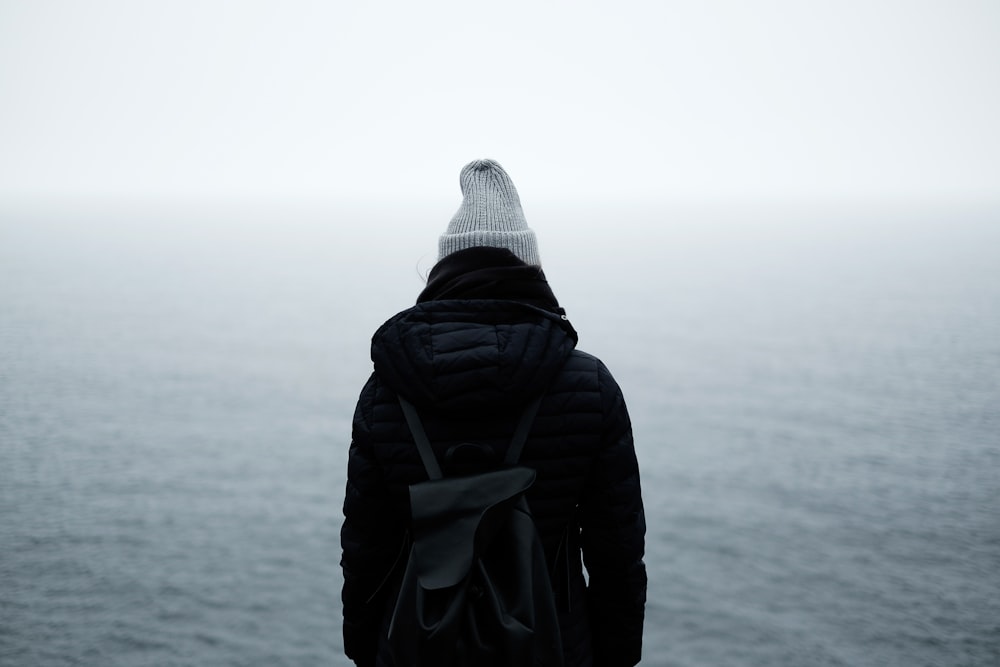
(814,395)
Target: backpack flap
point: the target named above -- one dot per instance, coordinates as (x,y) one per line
(453,516)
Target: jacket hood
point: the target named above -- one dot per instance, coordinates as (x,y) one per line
(471,354)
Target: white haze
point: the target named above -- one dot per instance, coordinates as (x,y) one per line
(386,100)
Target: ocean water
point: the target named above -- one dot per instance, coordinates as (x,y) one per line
(815,394)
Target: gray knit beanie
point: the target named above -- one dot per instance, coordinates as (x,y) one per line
(490,215)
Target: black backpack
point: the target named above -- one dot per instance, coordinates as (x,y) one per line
(476,589)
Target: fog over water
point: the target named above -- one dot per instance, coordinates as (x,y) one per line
(813,391)
(813,384)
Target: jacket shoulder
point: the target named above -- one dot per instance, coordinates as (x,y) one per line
(588,369)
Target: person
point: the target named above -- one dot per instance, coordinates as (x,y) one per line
(485,337)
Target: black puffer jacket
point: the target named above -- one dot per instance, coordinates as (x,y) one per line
(469,365)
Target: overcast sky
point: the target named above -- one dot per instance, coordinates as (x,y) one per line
(660,100)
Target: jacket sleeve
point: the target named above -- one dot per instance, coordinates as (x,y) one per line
(367,539)
(613,528)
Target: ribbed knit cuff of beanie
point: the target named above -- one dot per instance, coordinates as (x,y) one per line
(490,215)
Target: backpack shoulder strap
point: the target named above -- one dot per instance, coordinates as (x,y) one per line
(427,453)
(419,437)
(523,428)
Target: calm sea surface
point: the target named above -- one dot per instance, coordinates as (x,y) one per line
(815,397)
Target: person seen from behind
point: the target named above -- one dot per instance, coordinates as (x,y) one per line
(485,337)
